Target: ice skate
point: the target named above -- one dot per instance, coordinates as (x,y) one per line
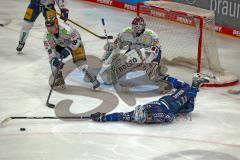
(20,46)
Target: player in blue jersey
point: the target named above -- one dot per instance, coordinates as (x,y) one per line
(164,109)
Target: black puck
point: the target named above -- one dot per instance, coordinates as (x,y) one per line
(22,129)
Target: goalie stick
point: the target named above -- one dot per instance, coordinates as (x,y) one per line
(84,28)
(6,120)
(105,31)
(92,78)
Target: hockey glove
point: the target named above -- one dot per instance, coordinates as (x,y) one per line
(65,52)
(64,14)
(56,63)
(98,117)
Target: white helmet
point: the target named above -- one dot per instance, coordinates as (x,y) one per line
(138,25)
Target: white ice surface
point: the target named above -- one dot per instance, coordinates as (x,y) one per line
(213,133)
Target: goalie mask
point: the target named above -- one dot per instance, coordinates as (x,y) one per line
(138,26)
(52,25)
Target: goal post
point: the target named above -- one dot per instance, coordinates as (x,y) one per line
(187,37)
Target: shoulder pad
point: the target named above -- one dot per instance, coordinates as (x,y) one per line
(127,29)
(149,32)
(65,29)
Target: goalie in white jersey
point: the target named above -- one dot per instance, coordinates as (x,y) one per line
(137,41)
(34,9)
(61,40)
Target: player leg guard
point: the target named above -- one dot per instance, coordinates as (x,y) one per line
(26,27)
(162,70)
(59,82)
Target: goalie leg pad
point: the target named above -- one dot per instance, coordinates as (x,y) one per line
(162,69)
(164,87)
(106,76)
(155,71)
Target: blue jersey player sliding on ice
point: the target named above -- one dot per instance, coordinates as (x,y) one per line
(164,109)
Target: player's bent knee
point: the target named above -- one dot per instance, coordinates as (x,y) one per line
(78,54)
(29,14)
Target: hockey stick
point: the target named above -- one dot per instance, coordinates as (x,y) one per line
(6,120)
(105,31)
(73,22)
(50,105)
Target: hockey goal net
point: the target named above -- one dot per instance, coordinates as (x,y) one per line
(187,38)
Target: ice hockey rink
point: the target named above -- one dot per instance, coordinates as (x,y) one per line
(212,133)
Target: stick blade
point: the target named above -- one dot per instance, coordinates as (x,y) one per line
(4,21)
(49,105)
(104,37)
(5,121)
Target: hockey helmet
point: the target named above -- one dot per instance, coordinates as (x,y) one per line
(52,25)
(138,25)
(51,21)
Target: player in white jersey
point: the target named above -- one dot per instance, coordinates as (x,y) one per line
(34,9)
(61,40)
(141,43)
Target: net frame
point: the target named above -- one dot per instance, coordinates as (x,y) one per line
(190,13)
